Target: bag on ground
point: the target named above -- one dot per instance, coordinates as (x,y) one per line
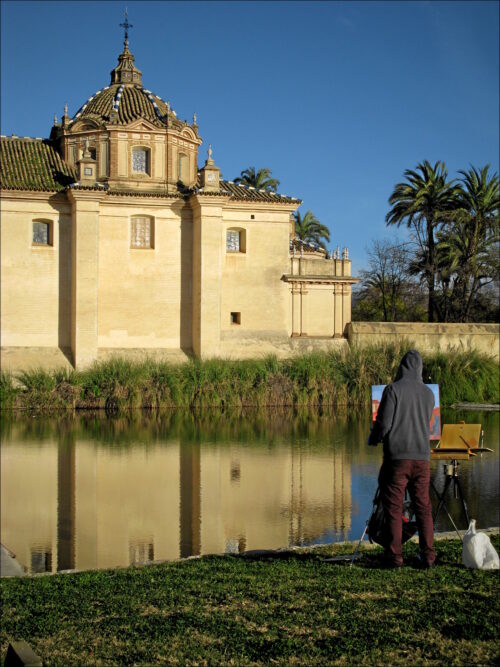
(478,551)
(377,530)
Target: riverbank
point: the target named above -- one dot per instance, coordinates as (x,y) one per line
(320,379)
(297,609)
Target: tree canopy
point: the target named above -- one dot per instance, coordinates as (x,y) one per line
(261,179)
(309,229)
(454,229)
(421,202)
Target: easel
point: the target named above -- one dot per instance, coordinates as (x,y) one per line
(458,442)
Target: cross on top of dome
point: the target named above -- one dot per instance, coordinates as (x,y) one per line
(126,25)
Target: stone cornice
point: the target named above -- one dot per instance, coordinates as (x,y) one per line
(38,195)
(252,205)
(197,200)
(320,280)
(89,195)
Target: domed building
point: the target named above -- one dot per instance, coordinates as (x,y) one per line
(114,241)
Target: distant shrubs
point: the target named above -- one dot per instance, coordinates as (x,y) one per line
(319,379)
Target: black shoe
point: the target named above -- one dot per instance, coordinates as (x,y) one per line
(422,564)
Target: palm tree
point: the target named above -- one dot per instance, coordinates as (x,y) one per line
(470,239)
(310,230)
(262,179)
(421,202)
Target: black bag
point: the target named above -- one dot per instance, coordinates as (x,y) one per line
(377,522)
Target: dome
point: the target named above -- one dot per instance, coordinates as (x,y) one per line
(125,99)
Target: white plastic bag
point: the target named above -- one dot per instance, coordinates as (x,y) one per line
(477,551)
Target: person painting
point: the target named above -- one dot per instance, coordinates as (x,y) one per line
(402,424)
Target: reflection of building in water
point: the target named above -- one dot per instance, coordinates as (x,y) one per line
(255,498)
(77,506)
(73,504)
(29,482)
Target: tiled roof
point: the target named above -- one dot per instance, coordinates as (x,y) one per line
(130,102)
(245,192)
(32,164)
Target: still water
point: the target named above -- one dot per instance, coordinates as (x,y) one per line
(98,492)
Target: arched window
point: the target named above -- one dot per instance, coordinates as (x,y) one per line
(140,160)
(142,232)
(183,168)
(42,233)
(236,241)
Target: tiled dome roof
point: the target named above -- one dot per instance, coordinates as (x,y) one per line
(126,99)
(123,104)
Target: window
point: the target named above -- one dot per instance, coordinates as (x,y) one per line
(93,153)
(142,232)
(88,171)
(42,233)
(140,161)
(235,318)
(235,240)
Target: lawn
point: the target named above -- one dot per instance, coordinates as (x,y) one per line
(296,609)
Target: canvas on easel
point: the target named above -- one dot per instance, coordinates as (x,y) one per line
(435,423)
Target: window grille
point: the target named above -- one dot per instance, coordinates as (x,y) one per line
(232,241)
(140,161)
(41,233)
(141,233)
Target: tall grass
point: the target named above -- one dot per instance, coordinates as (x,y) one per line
(319,379)
(463,376)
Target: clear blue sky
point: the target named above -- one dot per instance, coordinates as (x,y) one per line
(337,98)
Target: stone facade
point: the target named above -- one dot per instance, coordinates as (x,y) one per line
(113,240)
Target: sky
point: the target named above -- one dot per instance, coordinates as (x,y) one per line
(338,99)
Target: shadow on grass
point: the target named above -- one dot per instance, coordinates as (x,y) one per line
(448,554)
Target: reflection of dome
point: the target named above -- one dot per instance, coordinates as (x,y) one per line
(125,99)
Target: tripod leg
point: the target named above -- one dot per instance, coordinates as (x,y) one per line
(359,544)
(442,504)
(441,498)
(462,499)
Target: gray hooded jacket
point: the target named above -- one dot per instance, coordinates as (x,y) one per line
(404,415)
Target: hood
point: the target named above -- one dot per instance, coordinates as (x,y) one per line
(411,366)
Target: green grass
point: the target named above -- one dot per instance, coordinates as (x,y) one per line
(320,379)
(292,610)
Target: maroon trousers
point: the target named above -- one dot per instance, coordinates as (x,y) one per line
(394,478)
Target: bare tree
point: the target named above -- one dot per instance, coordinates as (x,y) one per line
(386,288)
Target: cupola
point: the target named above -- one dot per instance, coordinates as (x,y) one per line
(126,72)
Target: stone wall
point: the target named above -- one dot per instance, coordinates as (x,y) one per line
(428,337)
(253,345)
(35,279)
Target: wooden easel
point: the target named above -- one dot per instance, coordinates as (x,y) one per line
(458,442)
